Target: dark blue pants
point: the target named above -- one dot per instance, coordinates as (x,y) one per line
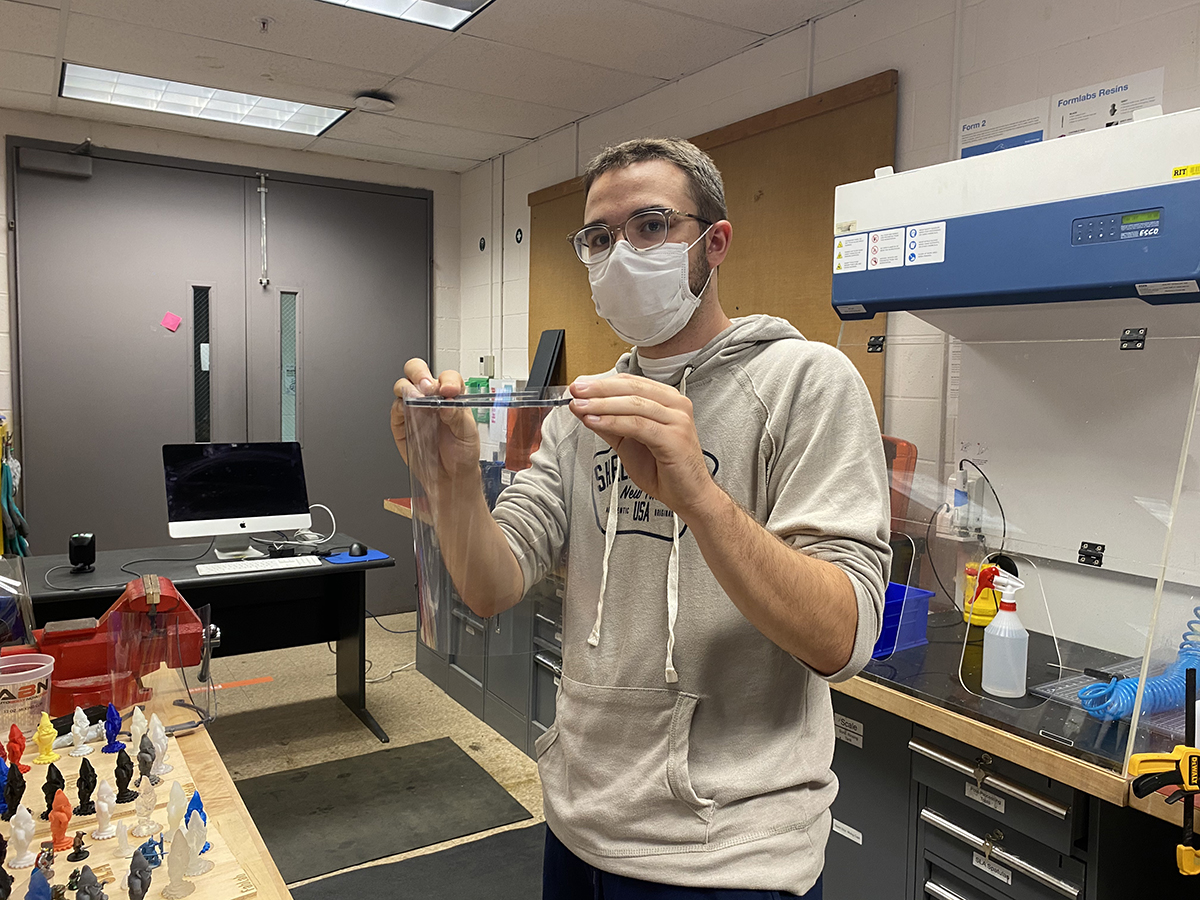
(567,877)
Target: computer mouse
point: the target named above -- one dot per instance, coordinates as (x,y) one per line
(357,549)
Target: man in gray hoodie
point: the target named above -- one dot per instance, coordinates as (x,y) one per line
(724,498)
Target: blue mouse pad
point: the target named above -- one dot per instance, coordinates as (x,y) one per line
(345,557)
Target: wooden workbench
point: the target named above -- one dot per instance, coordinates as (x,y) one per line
(221,800)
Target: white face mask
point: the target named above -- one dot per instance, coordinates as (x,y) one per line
(644,295)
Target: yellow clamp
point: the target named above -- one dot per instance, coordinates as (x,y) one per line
(1183,763)
(1188,859)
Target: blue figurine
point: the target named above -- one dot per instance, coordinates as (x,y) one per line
(3,785)
(112,727)
(197,805)
(153,851)
(39,887)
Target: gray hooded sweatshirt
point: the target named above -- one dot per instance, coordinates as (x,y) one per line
(689,749)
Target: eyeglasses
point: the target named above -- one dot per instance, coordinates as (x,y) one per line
(643,230)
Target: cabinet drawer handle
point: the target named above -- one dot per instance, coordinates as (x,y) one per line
(548,662)
(546,619)
(999,854)
(958,764)
(937,892)
(472,620)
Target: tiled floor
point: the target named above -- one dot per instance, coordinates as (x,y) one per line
(295,719)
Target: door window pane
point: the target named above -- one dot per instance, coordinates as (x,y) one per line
(287,366)
(201,349)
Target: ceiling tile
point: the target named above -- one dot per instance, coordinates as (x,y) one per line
(475,64)
(405,134)
(147,51)
(763,16)
(82,109)
(28,73)
(30,29)
(302,28)
(23,100)
(629,36)
(392,155)
(453,106)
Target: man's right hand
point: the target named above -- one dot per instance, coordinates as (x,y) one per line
(446,440)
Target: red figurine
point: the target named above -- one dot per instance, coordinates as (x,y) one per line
(16,748)
(60,818)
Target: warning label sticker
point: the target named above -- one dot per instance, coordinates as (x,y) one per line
(885,249)
(849,253)
(925,244)
(1168,287)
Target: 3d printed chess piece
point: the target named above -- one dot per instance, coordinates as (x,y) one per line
(177,863)
(79,730)
(58,892)
(196,805)
(78,851)
(60,818)
(89,886)
(85,784)
(147,800)
(197,835)
(6,880)
(153,851)
(176,806)
(138,725)
(123,848)
(39,886)
(124,774)
(20,837)
(45,860)
(54,783)
(44,737)
(139,877)
(145,759)
(16,748)
(106,802)
(14,789)
(158,737)
(112,727)
(72,880)
(3,785)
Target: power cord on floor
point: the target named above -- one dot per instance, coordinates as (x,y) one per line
(385,628)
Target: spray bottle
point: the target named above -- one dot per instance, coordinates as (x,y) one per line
(1005,640)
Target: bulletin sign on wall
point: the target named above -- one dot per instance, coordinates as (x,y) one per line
(780,169)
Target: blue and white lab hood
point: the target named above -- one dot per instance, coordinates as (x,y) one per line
(1107,214)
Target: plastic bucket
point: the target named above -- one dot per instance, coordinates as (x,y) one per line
(24,689)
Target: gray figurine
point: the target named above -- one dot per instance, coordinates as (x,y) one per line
(89,886)
(139,876)
(145,759)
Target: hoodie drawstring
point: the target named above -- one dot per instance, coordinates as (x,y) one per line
(610,534)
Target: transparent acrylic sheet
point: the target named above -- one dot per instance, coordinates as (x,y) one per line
(458,449)
(16,607)
(140,644)
(1081,442)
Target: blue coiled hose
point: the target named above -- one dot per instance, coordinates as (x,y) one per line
(1163,692)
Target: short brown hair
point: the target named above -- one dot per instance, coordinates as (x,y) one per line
(704,181)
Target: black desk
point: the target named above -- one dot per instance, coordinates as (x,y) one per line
(255,611)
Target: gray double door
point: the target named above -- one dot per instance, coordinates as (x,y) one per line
(103,264)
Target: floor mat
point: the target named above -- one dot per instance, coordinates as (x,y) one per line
(326,817)
(505,866)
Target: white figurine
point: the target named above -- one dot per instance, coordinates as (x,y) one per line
(106,802)
(21,836)
(178,861)
(147,800)
(176,807)
(137,727)
(197,835)
(123,848)
(158,737)
(79,730)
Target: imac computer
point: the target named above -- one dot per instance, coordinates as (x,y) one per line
(231,491)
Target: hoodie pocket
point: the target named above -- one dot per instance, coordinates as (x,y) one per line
(616,771)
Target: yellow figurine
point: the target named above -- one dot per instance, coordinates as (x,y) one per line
(44,737)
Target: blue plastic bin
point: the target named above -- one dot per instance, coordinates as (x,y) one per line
(905,611)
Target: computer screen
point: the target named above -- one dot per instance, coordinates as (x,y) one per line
(216,489)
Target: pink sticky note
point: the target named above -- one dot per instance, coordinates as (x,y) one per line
(171,321)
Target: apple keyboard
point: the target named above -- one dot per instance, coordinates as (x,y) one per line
(260,564)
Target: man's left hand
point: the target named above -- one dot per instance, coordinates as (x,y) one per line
(650,426)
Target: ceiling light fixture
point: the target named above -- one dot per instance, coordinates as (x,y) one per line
(193,101)
(374,102)
(445,14)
